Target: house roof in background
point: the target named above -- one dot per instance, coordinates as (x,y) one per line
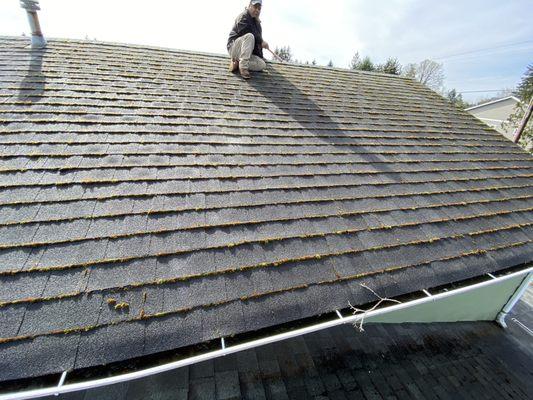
(151,200)
(516,99)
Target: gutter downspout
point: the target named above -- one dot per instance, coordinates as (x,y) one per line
(500,319)
(37,39)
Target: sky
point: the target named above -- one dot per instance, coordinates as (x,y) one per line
(484,45)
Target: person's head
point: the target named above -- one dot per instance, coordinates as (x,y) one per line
(254,8)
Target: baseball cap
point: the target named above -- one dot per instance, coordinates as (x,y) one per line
(254,2)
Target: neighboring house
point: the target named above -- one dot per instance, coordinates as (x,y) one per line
(150,201)
(495,113)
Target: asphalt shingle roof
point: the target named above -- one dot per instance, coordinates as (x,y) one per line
(150,200)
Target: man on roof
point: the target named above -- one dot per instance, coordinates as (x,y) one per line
(245,43)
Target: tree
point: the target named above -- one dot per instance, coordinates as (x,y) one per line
(525,93)
(428,72)
(525,87)
(330,64)
(356,61)
(431,74)
(392,66)
(410,71)
(366,65)
(456,99)
(284,53)
(526,140)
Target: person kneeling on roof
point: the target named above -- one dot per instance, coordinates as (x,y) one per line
(245,43)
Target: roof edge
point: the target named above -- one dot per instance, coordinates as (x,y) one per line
(51,40)
(494,102)
(337,319)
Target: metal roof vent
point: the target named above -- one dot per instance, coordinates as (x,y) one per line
(31,7)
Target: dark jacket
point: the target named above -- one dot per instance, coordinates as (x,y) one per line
(244,24)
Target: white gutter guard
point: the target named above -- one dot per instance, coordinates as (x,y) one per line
(225,350)
(37,39)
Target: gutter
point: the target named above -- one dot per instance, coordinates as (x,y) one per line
(500,319)
(61,388)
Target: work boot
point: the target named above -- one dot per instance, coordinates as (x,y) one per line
(233,65)
(245,73)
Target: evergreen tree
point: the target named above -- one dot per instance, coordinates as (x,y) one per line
(356,61)
(366,65)
(525,87)
(284,53)
(457,99)
(392,66)
(330,64)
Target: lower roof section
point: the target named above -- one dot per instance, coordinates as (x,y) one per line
(449,360)
(476,299)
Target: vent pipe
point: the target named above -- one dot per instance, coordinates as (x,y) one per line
(32,6)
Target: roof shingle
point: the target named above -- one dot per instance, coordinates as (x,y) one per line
(208,206)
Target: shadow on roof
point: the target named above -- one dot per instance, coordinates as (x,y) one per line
(31,87)
(277,88)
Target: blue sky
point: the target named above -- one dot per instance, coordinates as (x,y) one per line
(497,36)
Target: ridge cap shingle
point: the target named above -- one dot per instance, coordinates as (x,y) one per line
(53,40)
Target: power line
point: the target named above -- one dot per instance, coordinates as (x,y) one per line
(493,53)
(483,49)
(483,91)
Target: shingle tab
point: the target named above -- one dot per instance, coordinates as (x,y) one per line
(216,206)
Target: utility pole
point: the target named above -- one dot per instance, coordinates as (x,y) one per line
(524,122)
(37,39)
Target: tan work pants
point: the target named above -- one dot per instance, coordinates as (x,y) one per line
(241,50)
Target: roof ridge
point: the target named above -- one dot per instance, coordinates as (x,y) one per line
(204,53)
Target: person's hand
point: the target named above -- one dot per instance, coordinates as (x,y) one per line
(265,45)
